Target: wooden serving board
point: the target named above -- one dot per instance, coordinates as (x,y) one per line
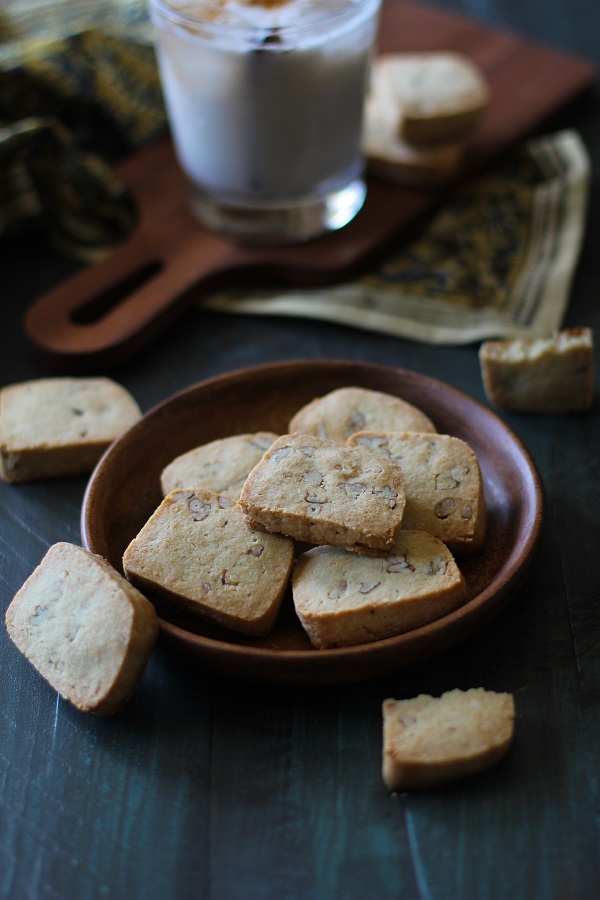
(109,310)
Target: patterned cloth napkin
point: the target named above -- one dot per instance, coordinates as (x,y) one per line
(497,260)
(79,90)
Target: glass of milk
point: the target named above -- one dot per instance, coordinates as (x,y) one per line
(265,101)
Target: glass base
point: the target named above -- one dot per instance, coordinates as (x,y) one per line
(280,222)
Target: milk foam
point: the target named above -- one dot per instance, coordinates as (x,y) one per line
(265,15)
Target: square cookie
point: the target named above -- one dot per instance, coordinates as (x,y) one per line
(52,427)
(85,629)
(198,551)
(342,598)
(221,466)
(444,488)
(540,375)
(439,96)
(322,492)
(429,741)
(337,415)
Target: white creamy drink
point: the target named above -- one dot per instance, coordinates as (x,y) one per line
(265,101)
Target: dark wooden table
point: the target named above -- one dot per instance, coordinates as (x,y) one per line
(210,787)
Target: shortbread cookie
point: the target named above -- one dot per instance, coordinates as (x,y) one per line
(392,158)
(86,630)
(343,412)
(540,375)
(322,492)
(342,598)
(444,488)
(440,96)
(198,551)
(221,466)
(60,426)
(431,740)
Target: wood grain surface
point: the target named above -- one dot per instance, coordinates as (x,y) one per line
(216,788)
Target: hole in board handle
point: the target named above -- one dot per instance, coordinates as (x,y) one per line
(98,306)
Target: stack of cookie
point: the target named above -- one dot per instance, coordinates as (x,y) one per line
(363,479)
(421,110)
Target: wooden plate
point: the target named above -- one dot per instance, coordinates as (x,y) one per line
(124,490)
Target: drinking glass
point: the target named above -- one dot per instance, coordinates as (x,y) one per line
(265,102)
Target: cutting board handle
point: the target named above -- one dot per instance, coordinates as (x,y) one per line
(109,310)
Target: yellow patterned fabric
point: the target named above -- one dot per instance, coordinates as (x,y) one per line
(475,244)
(496,260)
(73,100)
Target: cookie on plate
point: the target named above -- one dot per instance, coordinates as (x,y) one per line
(198,552)
(428,741)
(540,375)
(52,427)
(343,599)
(322,492)
(221,465)
(342,412)
(85,629)
(444,488)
